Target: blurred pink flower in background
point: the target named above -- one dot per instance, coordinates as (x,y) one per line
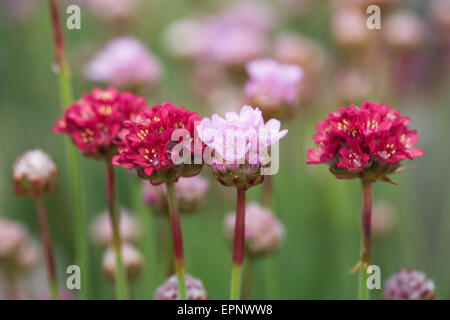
(404,30)
(349,29)
(408,284)
(17,10)
(133,262)
(101,229)
(183,38)
(384,218)
(35,174)
(113,9)
(126,63)
(169,289)
(273,86)
(12,236)
(264,234)
(190,192)
(352,86)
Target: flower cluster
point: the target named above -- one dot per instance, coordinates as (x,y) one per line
(240,143)
(94,122)
(369,142)
(146,143)
(169,289)
(264,234)
(35,174)
(273,87)
(408,284)
(190,191)
(126,63)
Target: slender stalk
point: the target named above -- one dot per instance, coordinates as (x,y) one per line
(66,97)
(47,243)
(366,237)
(248,279)
(267,191)
(113,210)
(180,268)
(238,246)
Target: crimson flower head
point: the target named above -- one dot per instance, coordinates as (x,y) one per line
(367,142)
(146,143)
(94,121)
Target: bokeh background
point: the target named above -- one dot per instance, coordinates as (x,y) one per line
(405,66)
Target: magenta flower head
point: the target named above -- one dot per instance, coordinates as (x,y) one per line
(35,174)
(151,143)
(274,87)
(264,234)
(408,284)
(126,63)
(169,289)
(190,192)
(367,142)
(133,262)
(94,122)
(102,233)
(237,146)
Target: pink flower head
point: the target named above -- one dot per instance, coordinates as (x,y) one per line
(239,142)
(190,192)
(273,85)
(264,234)
(115,10)
(126,63)
(408,284)
(169,289)
(94,122)
(146,143)
(369,141)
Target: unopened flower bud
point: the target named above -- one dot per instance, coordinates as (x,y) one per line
(35,174)
(264,234)
(169,289)
(408,284)
(101,229)
(132,260)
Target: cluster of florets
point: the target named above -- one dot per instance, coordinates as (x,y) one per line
(146,143)
(408,284)
(94,121)
(169,289)
(367,142)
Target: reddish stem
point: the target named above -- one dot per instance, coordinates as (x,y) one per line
(58,37)
(239,229)
(366,222)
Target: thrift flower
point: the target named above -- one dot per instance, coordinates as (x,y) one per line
(146,144)
(235,140)
(126,63)
(169,289)
(12,237)
(114,10)
(133,262)
(368,142)
(408,284)
(35,174)
(191,193)
(404,31)
(274,87)
(102,233)
(264,234)
(94,121)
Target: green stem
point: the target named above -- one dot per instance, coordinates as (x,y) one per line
(366,238)
(238,246)
(66,98)
(47,244)
(120,279)
(180,268)
(248,278)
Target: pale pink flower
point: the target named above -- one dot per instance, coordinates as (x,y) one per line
(133,262)
(264,234)
(272,84)
(404,30)
(408,284)
(169,289)
(12,236)
(113,9)
(125,62)
(101,229)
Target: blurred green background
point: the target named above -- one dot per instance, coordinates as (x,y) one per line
(320,213)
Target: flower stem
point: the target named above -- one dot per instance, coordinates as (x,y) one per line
(366,237)
(47,243)
(180,268)
(248,279)
(238,246)
(113,209)
(66,97)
